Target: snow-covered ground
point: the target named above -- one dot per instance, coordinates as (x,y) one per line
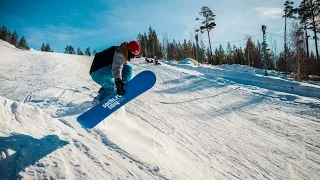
(227,122)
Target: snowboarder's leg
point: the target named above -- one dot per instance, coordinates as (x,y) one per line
(96,99)
(126,73)
(106,92)
(104,78)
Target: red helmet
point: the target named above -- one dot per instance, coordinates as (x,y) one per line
(134,47)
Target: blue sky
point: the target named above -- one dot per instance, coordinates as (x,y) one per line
(99,24)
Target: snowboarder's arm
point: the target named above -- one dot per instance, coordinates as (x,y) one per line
(117,64)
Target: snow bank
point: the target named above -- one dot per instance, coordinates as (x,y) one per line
(27,134)
(15,115)
(241,68)
(188,61)
(253,77)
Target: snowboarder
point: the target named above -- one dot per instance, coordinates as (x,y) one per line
(148,61)
(156,60)
(110,69)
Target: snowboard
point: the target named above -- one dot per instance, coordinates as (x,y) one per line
(135,87)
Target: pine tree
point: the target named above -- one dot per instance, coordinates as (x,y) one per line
(288,13)
(194,51)
(14,38)
(304,21)
(4,33)
(145,45)
(249,52)
(140,39)
(205,54)
(229,53)
(79,52)
(239,56)
(47,48)
(151,42)
(171,50)
(280,63)
(190,50)
(180,51)
(165,44)
(71,50)
(234,52)
(8,36)
(298,64)
(185,48)
(271,60)
(216,56)
(220,56)
(66,50)
(88,52)
(154,47)
(257,56)
(312,8)
(23,44)
(43,47)
(208,24)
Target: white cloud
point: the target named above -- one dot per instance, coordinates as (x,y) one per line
(270,12)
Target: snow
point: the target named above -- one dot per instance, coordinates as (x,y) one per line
(249,76)
(222,122)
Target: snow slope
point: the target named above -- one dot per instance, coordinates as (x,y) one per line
(191,125)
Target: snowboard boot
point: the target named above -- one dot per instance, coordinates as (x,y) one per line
(96,100)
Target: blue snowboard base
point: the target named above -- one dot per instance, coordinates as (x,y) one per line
(136,86)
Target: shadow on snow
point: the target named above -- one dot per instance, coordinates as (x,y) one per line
(27,151)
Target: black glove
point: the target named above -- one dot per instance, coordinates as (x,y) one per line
(119,85)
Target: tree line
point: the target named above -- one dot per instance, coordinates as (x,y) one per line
(250,55)
(296,58)
(70,50)
(13,38)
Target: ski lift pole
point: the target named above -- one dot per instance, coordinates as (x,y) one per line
(264,49)
(198,56)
